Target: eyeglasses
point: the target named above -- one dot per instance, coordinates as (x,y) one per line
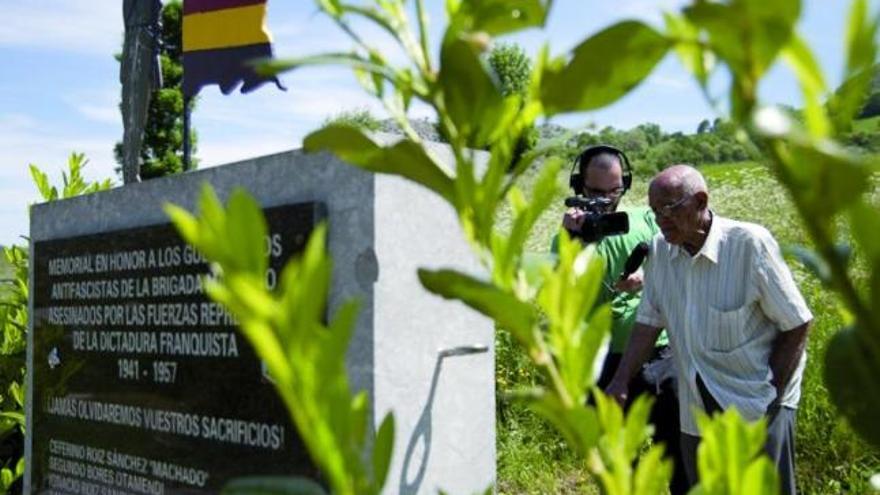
(668,210)
(592,192)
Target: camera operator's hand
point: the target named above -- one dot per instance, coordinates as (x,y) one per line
(573,220)
(618,390)
(632,283)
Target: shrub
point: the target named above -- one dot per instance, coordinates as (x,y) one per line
(360,118)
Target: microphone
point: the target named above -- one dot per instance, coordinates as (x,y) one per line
(635,260)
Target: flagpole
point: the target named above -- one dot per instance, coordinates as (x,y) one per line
(187,152)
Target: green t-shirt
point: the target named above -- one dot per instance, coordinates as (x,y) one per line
(615,250)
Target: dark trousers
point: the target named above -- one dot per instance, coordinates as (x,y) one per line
(664,413)
(781,425)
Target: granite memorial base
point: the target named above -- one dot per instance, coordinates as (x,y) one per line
(140,384)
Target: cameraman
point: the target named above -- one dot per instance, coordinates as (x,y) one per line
(601,176)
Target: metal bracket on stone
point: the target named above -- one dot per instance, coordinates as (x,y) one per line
(464,350)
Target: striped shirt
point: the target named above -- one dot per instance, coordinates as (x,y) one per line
(722,309)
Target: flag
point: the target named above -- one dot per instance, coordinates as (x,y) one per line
(220,37)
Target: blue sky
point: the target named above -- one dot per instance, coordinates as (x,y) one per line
(59,88)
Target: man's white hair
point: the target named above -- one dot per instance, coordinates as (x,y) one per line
(691,181)
(682,177)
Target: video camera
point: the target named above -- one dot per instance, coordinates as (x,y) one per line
(598,223)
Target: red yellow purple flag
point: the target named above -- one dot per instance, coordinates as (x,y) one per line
(220,37)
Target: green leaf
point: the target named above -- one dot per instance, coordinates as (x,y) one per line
(852,365)
(272,485)
(751,44)
(636,427)
(405,158)
(41,180)
(864,219)
(332,7)
(543,194)
(761,477)
(498,17)
(246,232)
(604,68)
(848,100)
(275,66)
(359,403)
(593,336)
(861,38)
(213,220)
(610,414)
(186,224)
(653,473)
(508,312)
(826,176)
(382,450)
(692,54)
(835,178)
(812,261)
(379,17)
(74,185)
(861,44)
(349,144)
(305,283)
(534,266)
(372,81)
(799,56)
(473,98)
(6,477)
(16,391)
(729,448)
(14,416)
(569,293)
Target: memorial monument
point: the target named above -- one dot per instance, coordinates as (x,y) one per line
(138,383)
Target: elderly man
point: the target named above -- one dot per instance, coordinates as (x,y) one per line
(733,313)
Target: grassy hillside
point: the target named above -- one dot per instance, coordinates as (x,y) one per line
(831,459)
(871,124)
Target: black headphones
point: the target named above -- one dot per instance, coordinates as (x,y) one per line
(576,179)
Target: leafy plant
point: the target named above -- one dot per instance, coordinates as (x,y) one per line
(730,458)
(359,119)
(13,341)
(72,181)
(513,68)
(305,356)
(623,439)
(553,316)
(14,319)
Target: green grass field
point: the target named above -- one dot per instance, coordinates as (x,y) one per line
(871,124)
(831,459)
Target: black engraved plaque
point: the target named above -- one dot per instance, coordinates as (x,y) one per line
(142,384)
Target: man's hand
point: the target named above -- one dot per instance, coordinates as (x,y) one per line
(785,354)
(618,390)
(573,219)
(632,283)
(638,350)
